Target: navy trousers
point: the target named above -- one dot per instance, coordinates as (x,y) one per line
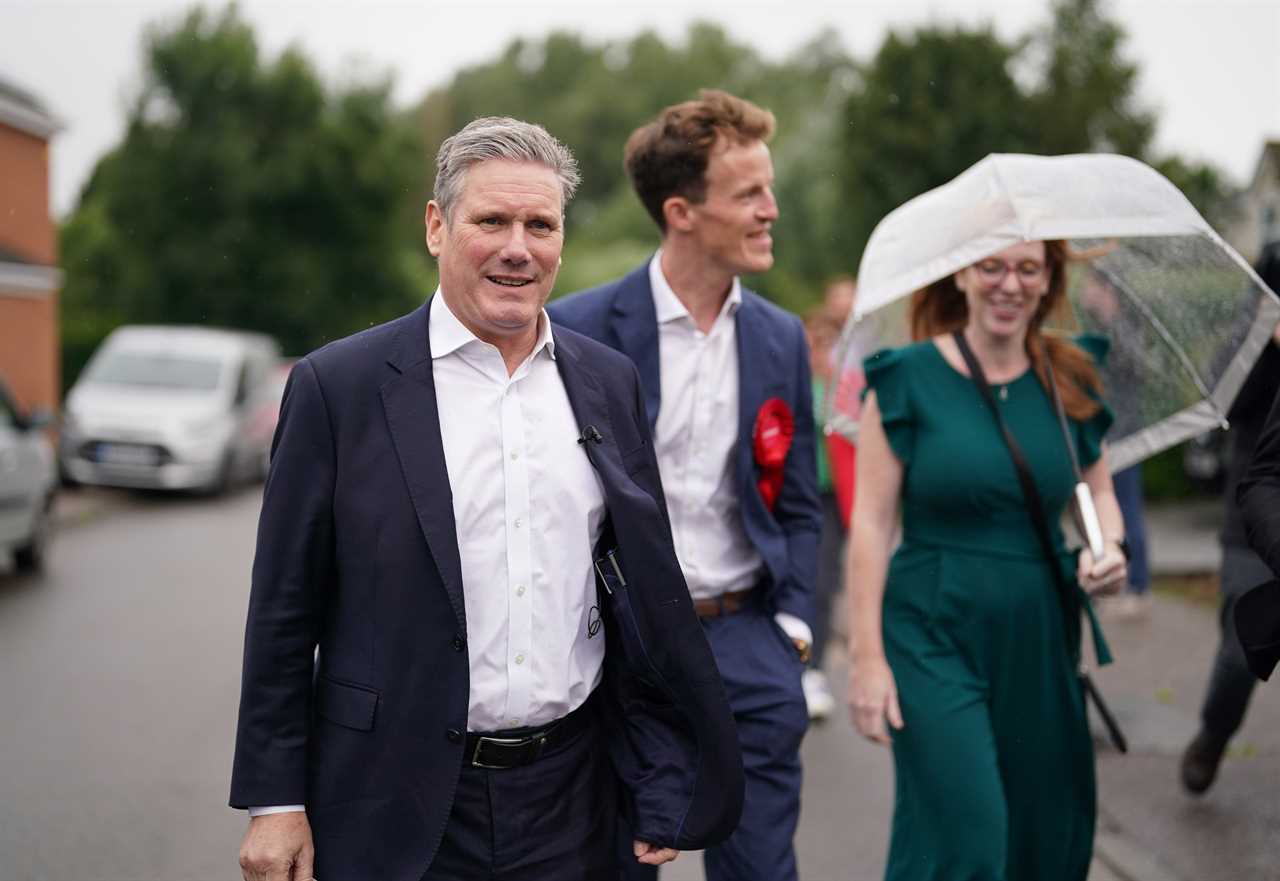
(1128,488)
(761,673)
(552,820)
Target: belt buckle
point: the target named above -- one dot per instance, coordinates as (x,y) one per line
(502,741)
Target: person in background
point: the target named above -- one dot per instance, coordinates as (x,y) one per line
(1127,341)
(726,383)
(822,333)
(1231,682)
(1135,602)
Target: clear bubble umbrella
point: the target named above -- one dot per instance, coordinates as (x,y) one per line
(1185,314)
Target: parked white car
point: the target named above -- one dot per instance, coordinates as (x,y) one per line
(28,480)
(170,408)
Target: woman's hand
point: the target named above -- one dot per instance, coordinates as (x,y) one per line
(1103,576)
(873,698)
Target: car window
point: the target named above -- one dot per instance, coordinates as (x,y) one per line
(159,370)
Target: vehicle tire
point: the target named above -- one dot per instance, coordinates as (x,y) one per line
(30,557)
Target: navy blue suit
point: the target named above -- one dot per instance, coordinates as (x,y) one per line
(760,668)
(358,555)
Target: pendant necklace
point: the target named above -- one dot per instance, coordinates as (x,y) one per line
(1004,392)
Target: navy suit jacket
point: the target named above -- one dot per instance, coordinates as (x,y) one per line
(773,362)
(358,556)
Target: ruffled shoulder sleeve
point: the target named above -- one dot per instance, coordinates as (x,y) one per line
(1090,432)
(888,375)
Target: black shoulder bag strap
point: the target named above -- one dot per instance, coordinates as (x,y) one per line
(1041,522)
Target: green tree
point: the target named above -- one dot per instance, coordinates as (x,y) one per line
(935,101)
(931,104)
(245,194)
(1086,97)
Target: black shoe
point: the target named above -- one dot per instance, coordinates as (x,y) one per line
(1200,762)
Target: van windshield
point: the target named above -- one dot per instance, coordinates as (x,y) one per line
(160,370)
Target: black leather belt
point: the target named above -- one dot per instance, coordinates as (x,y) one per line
(511,749)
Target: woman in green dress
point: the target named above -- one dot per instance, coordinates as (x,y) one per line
(962,654)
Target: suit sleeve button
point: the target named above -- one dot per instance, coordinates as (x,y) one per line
(459,643)
(454,735)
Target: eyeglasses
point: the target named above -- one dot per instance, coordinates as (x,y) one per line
(993,271)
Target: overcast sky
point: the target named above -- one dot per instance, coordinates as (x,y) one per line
(1211,69)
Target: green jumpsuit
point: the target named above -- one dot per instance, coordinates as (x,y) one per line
(994,767)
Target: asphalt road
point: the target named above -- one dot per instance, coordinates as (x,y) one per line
(119,671)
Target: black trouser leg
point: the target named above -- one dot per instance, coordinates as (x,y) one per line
(1231,682)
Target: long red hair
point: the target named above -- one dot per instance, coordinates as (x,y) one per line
(941,308)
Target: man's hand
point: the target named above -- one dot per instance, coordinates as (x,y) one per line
(277,847)
(652,855)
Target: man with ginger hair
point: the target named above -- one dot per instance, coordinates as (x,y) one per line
(727,391)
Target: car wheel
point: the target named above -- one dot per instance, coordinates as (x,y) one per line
(30,557)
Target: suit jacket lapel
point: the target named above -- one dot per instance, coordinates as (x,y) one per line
(409,399)
(586,397)
(757,352)
(635,327)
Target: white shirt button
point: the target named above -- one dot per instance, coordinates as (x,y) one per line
(514,455)
(519,590)
(519,523)
(519,659)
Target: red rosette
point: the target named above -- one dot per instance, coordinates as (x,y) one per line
(771,441)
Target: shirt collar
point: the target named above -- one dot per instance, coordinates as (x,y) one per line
(668,305)
(447,334)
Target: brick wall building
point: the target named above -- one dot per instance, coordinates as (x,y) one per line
(29,275)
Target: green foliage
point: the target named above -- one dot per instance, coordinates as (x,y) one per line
(1086,98)
(935,101)
(592,96)
(931,104)
(245,194)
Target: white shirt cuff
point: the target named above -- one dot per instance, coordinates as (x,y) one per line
(275,809)
(794,627)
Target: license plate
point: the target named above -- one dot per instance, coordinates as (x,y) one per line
(127,454)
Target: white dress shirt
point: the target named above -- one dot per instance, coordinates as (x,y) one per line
(529,509)
(696,441)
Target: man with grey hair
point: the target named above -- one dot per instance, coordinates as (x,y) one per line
(469,643)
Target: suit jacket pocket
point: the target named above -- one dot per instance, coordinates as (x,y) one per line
(635,460)
(351,706)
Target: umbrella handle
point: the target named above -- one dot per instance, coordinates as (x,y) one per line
(1090,525)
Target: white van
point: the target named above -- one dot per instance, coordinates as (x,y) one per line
(170,408)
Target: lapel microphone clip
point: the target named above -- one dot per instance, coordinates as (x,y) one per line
(590,433)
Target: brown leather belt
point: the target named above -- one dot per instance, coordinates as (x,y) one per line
(725,604)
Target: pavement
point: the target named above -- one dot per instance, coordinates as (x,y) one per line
(1149,829)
